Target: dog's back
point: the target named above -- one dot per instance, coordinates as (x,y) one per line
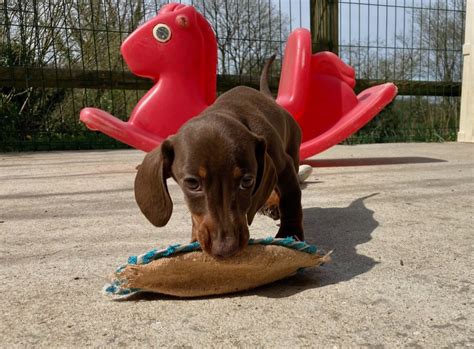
(262,116)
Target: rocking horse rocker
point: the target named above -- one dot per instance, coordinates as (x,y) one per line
(177,49)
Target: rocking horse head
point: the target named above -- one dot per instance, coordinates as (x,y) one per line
(178,40)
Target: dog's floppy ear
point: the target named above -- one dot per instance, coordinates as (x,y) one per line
(265,181)
(151,191)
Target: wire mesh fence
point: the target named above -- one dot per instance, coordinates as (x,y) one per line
(58,56)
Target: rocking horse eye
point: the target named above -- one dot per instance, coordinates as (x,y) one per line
(162,32)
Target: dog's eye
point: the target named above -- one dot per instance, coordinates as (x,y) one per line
(246,182)
(162,32)
(192,183)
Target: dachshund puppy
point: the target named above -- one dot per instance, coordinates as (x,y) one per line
(228,161)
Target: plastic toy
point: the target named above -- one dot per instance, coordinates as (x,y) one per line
(177,49)
(186,271)
(317,90)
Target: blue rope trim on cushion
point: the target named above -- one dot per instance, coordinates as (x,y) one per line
(116,287)
(195,246)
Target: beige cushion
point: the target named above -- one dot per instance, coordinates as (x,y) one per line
(195,274)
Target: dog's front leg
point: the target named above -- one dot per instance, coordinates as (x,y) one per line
(291,212)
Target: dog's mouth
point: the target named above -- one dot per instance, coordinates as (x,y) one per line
(225,247)
(216,241)
(224,250)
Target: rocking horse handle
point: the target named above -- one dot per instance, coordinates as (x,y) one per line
(295,72)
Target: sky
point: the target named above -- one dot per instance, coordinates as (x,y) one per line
(362,21)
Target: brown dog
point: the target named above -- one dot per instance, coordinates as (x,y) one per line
(227,161)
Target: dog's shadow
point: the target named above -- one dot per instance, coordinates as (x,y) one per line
(336,228)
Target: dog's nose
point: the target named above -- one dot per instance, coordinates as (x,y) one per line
(225,248)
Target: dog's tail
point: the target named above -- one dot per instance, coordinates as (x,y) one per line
(264,77)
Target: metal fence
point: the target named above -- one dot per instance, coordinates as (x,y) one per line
(58,56)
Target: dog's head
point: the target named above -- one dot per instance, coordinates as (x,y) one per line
(225,177)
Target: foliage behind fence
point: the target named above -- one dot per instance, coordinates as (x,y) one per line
(57,56)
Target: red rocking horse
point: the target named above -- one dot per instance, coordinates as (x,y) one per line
(177,49)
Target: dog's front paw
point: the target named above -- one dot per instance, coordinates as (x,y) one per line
(295,232)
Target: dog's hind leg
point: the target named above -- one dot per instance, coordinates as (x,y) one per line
(272,206)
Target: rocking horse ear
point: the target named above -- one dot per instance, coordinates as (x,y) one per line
(186,17)
(151,191)
(182,21)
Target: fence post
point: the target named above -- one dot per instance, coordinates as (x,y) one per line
(324,25)
(466,123)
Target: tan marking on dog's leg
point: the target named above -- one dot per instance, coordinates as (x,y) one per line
(271,207)
(273,200)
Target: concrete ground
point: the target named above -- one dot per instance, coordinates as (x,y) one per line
(399,216)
